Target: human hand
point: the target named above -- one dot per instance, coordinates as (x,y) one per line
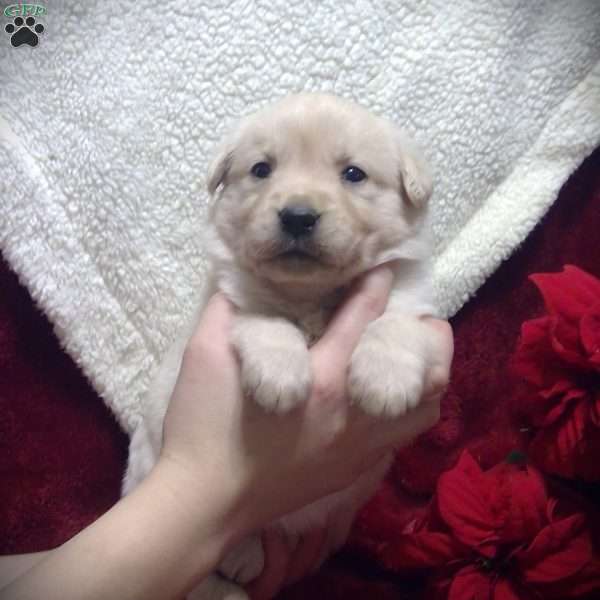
(264,466)
(288,561)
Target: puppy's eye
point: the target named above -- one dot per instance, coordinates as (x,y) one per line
(261,170)
(353,174)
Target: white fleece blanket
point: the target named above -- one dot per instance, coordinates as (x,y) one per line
(106,127)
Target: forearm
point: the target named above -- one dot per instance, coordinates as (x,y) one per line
(151,544)
(15,565)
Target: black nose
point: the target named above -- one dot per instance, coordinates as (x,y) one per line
(298,220)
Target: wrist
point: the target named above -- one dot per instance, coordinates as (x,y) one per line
(208,502)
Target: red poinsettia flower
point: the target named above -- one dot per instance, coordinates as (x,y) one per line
(496,535)
(559,358)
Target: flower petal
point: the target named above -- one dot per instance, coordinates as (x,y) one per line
(559,405)
(587,580)
(504,590)
(595,410)
(504,505)
(589,332)
(569,447)
(534,359)
(569,293)
(519,500)
(566,345)
(560,550)
(463,502)
(471,584)
(421,550)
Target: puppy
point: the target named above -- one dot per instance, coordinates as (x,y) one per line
(309,193)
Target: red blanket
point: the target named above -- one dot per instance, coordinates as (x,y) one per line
(62,453)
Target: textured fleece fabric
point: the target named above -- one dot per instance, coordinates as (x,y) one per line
(107,124)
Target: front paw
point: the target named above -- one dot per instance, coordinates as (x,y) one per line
(275,363)
(278,378)
(385,377)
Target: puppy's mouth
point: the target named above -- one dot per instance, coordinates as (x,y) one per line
(296,255)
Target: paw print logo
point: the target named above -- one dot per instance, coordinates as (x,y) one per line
(24,32)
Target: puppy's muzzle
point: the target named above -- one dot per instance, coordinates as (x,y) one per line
(298,221)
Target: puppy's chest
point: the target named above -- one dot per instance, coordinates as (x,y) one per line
(313,320)
(313,325)
(310,315)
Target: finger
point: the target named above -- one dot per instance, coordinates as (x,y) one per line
(273,575)
(397,433)
(366,302)
(214,324)
(437,374)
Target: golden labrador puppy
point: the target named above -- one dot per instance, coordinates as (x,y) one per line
(308,194)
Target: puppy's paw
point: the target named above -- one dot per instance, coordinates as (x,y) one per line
(275,364)
(245,562)
(385,378)
(277,377)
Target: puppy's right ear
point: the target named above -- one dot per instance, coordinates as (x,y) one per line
(219,167)
(415,173)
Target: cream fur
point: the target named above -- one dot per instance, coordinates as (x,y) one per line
(285,302)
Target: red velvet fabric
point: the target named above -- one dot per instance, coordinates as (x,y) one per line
(62,453)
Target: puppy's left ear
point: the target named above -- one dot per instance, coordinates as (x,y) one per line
(218,168)
(416,178)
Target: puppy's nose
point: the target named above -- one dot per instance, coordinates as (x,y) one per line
(298,220)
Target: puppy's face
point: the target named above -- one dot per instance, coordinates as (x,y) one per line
(316,189)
